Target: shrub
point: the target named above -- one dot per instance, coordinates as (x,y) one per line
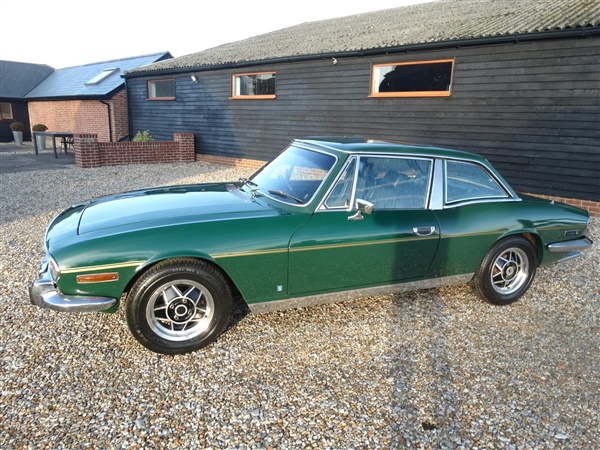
(143,136)
(16,126)
(39,127)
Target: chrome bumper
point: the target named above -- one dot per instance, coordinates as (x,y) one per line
(43,293)
(572,248)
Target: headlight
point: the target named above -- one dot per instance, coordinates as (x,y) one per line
(54,269)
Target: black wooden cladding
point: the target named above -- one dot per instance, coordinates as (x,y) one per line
(532,109)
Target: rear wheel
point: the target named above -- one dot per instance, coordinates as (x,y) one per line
(507,271)
(179,306)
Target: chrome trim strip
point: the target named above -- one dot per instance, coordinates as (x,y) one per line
(101,268)
(479,202)
(436,199)
(312,300)
(571,246)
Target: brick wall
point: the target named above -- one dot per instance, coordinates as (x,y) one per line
(89,152)
(84,116)
(226,161)
(592,207)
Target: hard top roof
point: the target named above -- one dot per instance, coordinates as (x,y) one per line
(346,144)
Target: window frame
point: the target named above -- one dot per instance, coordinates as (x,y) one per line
(404,94)
(12,112)
(358,157)
(236,96)
(161,80)
(480,199)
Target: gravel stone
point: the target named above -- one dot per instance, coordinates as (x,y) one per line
(436,368)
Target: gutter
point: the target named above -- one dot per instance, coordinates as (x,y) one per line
(110,133)
(458,43)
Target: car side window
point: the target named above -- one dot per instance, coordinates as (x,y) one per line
(468,181)
(341,194)
(394,182)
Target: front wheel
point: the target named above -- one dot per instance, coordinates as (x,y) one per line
(178,306)
(506,272)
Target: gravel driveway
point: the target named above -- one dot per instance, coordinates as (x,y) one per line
(431,369)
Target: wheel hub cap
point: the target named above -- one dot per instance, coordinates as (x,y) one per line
(510,271)
(181,310)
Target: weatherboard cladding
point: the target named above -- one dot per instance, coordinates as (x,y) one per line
(435,22)
(532,108)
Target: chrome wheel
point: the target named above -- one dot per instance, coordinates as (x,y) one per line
(179,306)
(506,271)
(510,271)
(180,311)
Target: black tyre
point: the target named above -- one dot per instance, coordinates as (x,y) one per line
(178,306)
(507,271)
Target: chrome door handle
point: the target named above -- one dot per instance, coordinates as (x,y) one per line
(424,231)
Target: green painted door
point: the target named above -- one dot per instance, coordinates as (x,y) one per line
(397,242)
(330,252)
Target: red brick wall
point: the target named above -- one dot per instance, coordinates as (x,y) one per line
(236,162)
(91,153)
(592,207)
(83,116)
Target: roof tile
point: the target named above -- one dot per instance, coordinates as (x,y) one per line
(437,21)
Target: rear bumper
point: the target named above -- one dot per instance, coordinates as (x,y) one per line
(572,249)
(43,293)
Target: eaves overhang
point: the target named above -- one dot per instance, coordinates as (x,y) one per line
(580,32)
(105,96)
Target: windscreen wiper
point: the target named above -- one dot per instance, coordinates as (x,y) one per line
(286,195)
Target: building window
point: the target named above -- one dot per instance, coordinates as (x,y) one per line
(161,89)
(412,79)
(6,111)
(253,85)
(101,76)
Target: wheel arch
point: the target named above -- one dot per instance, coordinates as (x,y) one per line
(532,237)
(151,264)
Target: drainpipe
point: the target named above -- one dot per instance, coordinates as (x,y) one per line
(110,133)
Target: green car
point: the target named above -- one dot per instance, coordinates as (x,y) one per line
(328,219)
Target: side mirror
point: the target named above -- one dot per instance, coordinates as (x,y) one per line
(362,206)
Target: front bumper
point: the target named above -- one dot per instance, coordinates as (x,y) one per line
(43,293)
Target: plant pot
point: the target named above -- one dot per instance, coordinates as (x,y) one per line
(18,137)
(41,142)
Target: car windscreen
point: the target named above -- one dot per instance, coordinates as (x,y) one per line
(294,176)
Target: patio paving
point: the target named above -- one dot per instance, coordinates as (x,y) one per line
(22,158)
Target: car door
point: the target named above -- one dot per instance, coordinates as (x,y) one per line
(340,248)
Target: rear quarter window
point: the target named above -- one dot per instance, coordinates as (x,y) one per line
(468,181)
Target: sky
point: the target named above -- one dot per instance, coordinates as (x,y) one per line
(65,33)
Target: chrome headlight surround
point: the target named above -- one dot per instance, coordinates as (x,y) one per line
(54,269)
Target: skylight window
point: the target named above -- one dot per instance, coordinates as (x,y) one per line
(101,76)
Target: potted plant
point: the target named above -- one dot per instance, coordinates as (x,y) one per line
(41,140)
(17,130)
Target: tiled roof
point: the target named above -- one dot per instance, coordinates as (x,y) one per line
(71,82)
(434,22)
(17,78)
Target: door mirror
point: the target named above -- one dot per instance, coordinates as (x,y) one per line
(362,206)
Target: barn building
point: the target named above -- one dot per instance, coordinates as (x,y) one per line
(517,82)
